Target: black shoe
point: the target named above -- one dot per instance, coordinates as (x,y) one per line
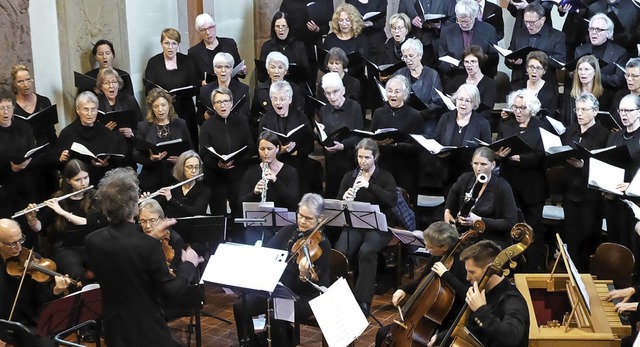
(365,307)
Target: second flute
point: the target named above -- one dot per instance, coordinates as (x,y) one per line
(157,192)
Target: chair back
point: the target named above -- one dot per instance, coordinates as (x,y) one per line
(615,262)
(339,267)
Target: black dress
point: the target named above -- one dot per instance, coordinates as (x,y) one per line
(184,75)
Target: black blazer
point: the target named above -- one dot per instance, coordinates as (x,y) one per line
(552,42)
(201,59)
(451,44)
(492,14)
(628,14)
(478,127)
(612,76)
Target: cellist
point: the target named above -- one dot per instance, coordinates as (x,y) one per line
(440,238)
(499,317)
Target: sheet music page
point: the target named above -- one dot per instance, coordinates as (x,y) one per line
(446,99)
(578,279)
(283,309)
(338,314)
(634,187)
(549,140)
(557,125)
(449,59)
(605,176)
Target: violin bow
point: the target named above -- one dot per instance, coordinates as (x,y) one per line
(24,274)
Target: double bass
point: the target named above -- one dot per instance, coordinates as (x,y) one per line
(458,335)
(430,303)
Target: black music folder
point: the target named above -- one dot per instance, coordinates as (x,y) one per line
(83,82)
(31,153)
(123,118)
(517,145)
(573,64)
(43,118)
(172,147)
(515,55)
(384,69)
(286,138)
(225,157)
(382,134)
(81,152)
(328,140)
(614,155)
(184,91)
(608,121)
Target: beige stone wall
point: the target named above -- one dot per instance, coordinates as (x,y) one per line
(15,35)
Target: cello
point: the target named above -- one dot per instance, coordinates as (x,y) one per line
(458,335)
(429,304)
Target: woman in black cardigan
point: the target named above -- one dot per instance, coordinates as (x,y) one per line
(284,41)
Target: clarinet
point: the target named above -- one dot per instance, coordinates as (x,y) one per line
(265,182)
(354,188)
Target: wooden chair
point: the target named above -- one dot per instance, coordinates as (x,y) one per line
(615,262)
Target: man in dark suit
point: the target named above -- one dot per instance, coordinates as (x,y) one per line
(492,14)
(467,31)
(132,268)
(202,53)
(537,35)
(628,14)
(600,45)
(429,32)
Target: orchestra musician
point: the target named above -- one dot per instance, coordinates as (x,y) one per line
(628,305)
(131,268)
(104,54)
(87,131)
(368,183)
(499,317)
(295,276)
(191,198)
(225,133)
(494,205)
(278,182)
(33,295)
(51,223)
(161,124)
(439,238)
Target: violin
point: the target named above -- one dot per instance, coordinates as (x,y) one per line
(429,304)
(308,248)
(458,335)
(169,252)
(40,269)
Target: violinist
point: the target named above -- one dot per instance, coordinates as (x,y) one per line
(494,204)
(131,268)
(33,295)
(439,238)
(500,316)
(295,276)
(151,215)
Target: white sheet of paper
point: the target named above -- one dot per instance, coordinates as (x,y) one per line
(557,125)
(634,186)
(549,140)
(340,318)
(446,99)
(605,176)
(283,309)
(451,60)
(634,208)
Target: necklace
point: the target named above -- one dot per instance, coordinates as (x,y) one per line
(163,130)
(460,127)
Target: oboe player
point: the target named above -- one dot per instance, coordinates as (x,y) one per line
(494,205)
(368,183)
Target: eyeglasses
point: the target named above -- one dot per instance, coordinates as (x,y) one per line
(464,22)
(280,99)
(332,92)
(626,111)
(597,30)
(110,83)
(394,91)
(221,102)
(534,68)
(150,222)
(398,28)
(466,101)
(6,108)
(88,110)
(14,244)
(306,218)
(470,62)
(170,44)
(518,108)
(25,81)
(632,76)
(225,67)
(582,109)
(281,27)
(346,21)
(211,28)
(408,56)
(530,23)
(192,167)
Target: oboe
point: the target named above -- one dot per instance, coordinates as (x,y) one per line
(354,189)
(472,195)
(265,182)
(157,192)
(43,204)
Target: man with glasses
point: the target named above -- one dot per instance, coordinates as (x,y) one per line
(203,52)
(602,47)
(626,15)
(33,295)
(537,35)
(467,31)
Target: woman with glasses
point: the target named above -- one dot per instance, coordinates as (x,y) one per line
(424,81)
(109,84)
(222,67)
(284,41)
(51,223)
(632,78)
(337,62)
(473,58)
(224,133)
(150,216)
(536,65)
(189,199)
(620,219)
(582,219)
(461,127)
(104,54)
(391,53)
(586,79)
(172,69)
(525,172)
(295,149)
(161,124)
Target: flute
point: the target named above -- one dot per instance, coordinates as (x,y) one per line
(43,204)
(157,192)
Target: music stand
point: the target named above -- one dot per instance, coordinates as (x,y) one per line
(211,230)
(16,334)
(255,269)
(70,310)
(273,216)
(74,235)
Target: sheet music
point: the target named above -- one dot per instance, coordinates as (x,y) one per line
(338,314)
(605,176)
(449,59)
(446,99)
(283,309)
(634,186)
(577,278)
(407,237)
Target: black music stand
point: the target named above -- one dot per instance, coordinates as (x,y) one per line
(74,235)
(273,216)
(210,230)
(70,310)
(16,334)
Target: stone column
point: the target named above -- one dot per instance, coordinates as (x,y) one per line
(15,35)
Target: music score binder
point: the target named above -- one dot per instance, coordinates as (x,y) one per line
(123,119)
(43,118)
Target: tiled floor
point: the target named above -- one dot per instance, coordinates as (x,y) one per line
(219,334)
